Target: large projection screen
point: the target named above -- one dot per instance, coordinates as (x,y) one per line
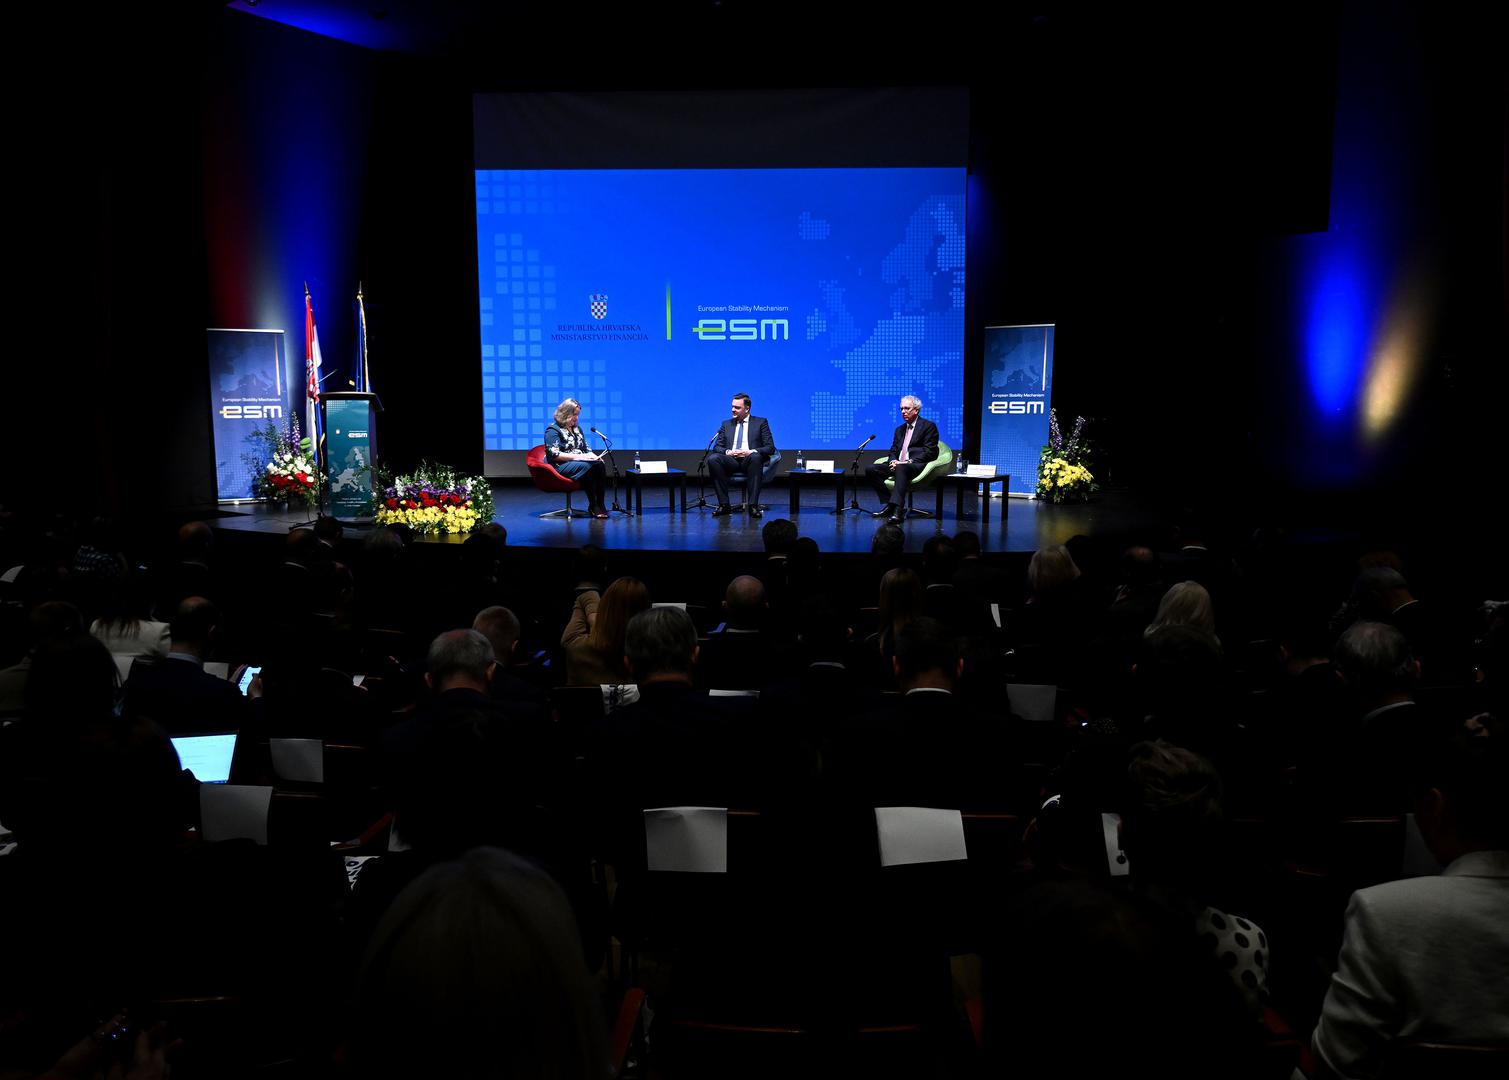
(653,274)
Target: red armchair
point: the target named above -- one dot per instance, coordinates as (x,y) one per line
(546,478)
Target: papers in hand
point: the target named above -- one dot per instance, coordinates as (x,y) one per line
(687,839)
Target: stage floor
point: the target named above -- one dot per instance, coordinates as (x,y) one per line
(1027,526)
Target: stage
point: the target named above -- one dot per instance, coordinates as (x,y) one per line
(1016,524)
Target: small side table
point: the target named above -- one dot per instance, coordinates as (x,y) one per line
(980,485)
(674,479)
(800,476)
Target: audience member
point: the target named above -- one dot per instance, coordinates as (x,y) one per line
(1388,729)
(501,628)
(1424,958)
(476,971)
(178,693)
(594,638)
(1172,831)
(669,748)
(126,627)
(1085,981)
(1186,603)
(741,654)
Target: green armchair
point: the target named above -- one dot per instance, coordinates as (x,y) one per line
(925,479)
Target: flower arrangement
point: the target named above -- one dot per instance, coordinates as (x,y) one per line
(434,499)
(282,465)
(1063,470)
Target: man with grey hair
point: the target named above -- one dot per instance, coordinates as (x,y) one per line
(1380,672)
(660,646)
(462,735)
(669,748)
(913,446)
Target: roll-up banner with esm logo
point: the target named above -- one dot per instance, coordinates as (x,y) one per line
(1017,395)
(249,386)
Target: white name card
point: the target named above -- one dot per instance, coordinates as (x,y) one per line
(1116,859)
(687,839)
(981,471)
(652,468)
(820,466)
(916,834)
(233,812)
(299,760)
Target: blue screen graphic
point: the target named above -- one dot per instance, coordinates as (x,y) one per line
(652,296)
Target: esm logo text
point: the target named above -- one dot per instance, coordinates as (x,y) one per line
(742,329)
(251,412)
(1015,408)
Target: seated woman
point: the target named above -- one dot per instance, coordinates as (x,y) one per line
(594,638)
(566,450)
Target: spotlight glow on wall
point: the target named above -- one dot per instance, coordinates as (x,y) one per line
(1336,331)
(1394,362)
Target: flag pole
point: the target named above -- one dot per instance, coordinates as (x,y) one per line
(361,315)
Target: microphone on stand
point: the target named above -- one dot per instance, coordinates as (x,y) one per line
(617,476)
(854,480)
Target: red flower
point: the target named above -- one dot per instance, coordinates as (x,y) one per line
(392,504)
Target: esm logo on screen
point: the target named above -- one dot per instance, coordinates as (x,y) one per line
(743,329)
(1015,408)
(251,412)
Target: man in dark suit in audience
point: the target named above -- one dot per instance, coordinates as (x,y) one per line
(669,748)
(515,751)
(1389,731)
(913,446)
(740,655)
(743,446)
(929,749)
(177,692)
(501,628)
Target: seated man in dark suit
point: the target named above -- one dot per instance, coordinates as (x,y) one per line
(930,749)
(914,444)
(743,446)
(669,748)
(521,759)
(501,628)
(1389,732)
(469,770)
(740,655)
(177,692)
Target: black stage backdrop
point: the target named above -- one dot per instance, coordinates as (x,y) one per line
(1137,178)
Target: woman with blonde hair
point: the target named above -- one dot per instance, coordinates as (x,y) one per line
(594,638)
(1187,603)
(566,449)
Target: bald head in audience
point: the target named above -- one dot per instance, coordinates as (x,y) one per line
(744,603)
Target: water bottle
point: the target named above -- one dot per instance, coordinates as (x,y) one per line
(636,461)
(961,465)
(801,460)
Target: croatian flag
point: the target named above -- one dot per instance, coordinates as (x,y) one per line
(312,371)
